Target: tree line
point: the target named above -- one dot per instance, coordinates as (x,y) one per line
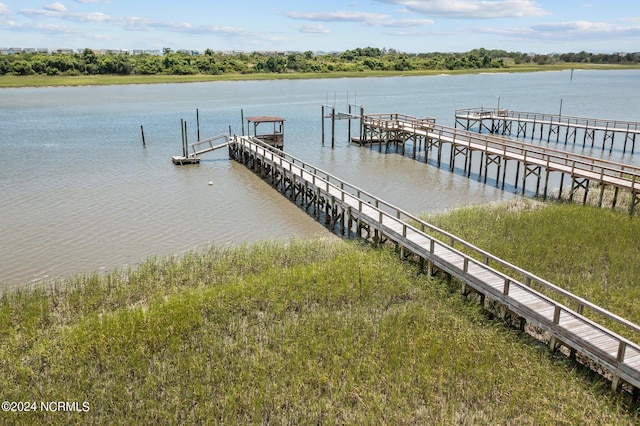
(89,62)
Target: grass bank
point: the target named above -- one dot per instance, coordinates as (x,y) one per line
(305,332)
(7,81)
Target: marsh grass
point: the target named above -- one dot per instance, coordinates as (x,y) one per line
(36,80)
(592,252)
(302,332)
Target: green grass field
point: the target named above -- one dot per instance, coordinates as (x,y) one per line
(308,332)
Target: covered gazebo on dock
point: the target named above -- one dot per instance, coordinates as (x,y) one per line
(276,137)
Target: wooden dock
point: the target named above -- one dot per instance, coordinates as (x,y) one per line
(203,146)
(495,152)
(350,211)
(562,128)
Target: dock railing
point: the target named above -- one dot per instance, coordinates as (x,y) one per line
(197,147)
(526,151)
(618,174)
(555,119)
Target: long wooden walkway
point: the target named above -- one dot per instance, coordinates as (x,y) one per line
(548,126)
(576,324)
(496,151)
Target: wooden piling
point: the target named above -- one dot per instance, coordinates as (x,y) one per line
(184,146)
(322,108)
(144,144)
(333,127)
(198,123)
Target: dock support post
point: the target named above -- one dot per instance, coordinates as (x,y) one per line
(349,124)
(182,133)
(601,198)
(504,172)
(586,192)
(362,133)
(198,123)
(546,182)
(322,125)
(615,384)
(144,144)
(333,127)
(415,142)
(185,139)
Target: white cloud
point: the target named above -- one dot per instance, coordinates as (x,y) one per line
(132,23)
(342,16)
(401,23)
(4,9)
(56,7)
(570,30)
(575,26)
(587,29)
(472,9)
(312,29)
(372,19)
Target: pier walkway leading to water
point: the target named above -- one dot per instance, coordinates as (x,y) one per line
(563,127)
(193,151)
(497,151)
(207,145)
(556,316)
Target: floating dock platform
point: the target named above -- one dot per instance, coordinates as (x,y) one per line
(180,160)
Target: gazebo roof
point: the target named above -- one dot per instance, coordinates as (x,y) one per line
(265,119)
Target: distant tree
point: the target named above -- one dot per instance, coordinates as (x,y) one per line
(88,56)
(273,64)
(5,68)
(21,67)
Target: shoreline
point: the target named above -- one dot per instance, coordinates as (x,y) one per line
(38,81)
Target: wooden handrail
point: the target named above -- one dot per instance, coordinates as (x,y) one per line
(556,119)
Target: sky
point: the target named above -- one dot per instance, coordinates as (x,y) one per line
(529,26)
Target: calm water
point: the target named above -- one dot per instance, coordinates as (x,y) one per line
(79,193)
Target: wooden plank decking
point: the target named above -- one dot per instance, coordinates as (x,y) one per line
(502,121)
(347,205)
(537,160)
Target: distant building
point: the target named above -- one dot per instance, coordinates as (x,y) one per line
(189,52)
